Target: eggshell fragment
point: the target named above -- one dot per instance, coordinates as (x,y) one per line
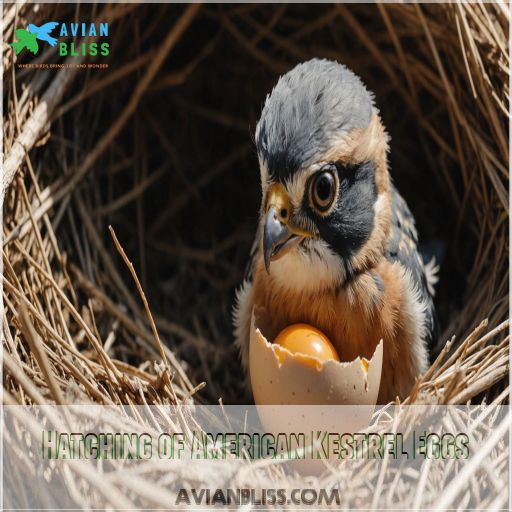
(280,383)
(292,381)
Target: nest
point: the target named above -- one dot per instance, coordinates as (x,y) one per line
(158,147)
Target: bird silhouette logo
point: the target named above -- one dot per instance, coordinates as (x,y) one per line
(25,40)
(28,38)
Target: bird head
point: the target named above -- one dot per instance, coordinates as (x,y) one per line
(321,146)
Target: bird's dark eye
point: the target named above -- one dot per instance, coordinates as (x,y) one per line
(323,189)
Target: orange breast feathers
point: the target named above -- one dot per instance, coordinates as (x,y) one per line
(355,318)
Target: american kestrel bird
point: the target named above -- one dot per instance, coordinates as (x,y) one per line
(336,244)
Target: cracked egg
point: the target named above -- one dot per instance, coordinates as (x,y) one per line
(301,367)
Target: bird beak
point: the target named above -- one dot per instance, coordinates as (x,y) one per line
(280,236)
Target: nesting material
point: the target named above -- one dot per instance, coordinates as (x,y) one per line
(159,147)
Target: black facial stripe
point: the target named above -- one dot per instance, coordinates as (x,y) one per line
(350,224)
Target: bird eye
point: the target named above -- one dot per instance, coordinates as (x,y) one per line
(323,189)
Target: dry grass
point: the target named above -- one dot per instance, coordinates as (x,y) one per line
(159,147)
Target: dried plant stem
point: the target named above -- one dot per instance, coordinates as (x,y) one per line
(33,128)
(161,148)
(142,295)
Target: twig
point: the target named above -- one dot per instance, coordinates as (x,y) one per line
(141,293)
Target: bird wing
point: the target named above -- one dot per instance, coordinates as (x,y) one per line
(402,247)
(47,27)
(404,236)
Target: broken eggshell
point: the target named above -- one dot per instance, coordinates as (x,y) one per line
(283,383)
(281,378)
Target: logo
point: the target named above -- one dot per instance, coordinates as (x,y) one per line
(64,34)
(28,38)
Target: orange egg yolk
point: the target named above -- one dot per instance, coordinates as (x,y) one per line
(306,340)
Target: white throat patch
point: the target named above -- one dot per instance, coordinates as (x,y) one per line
(308,271)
